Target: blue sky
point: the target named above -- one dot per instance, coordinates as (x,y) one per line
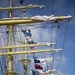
(63,8)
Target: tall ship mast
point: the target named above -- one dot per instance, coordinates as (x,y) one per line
(21,49)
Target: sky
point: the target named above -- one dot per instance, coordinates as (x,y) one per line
(61,8)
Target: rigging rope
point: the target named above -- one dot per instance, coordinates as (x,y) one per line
(41,26)
(16,39)
(4,61)
(65,35)
(2,36)
(56,38)
(1,68)
(52,7)
(62,47)
(14,57)
(53,53)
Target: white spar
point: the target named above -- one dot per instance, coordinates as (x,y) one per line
(34,19)
(51,18)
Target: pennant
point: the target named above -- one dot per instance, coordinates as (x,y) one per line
(36,61)
(37,66)
(27,33)
(32,48)
(33,72)
(31,42)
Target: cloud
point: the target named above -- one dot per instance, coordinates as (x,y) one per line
(61,61)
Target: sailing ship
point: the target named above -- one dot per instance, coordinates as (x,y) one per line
(24,55)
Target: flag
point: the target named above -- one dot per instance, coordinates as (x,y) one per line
(32,48)
(30,41)
(36,61)
(33,72)
(26,33)
(37,66)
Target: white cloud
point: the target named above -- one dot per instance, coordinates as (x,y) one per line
(62,59)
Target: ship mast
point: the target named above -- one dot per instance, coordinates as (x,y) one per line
(10,43)
(10,29)
(10,23)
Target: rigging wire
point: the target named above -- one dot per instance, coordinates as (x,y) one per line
(4,66)
(1,68)
(56,37)
(2,36)
(52,7)
(31,28)
(41,26)
(53,53)
(3,33)
(51,47)
(48,26)
(51,34)
(16,57)
(19,32)
(15,48)
(42,54)
(60,57)
(7,42)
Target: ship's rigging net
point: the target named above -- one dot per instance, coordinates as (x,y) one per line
(40,63)
(41,33)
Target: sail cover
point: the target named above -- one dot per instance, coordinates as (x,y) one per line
(41,18)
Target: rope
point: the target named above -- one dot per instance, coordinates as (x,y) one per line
(56,38)
(4,66)
(51,46)
(62,47)
(19,32)
(52,7)
(65,35)
(6,61)
(53,53)
(5,58)
(14,57)
(1,68)
(2,36)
